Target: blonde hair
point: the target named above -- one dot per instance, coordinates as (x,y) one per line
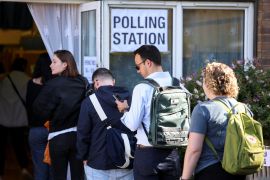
(220,79)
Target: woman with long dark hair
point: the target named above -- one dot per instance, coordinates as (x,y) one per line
(38,134)
(59,102)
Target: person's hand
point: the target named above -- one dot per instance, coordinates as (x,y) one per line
(122,106)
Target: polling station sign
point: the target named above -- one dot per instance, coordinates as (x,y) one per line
(131,28)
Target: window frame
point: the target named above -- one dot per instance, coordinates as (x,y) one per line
(89,7)
(177,40)
(133,4)
(248,22)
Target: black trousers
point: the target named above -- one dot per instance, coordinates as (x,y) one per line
(156,164)
(18,142)
(63,151)
(216,171)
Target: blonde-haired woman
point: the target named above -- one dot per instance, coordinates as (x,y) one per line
(209,119)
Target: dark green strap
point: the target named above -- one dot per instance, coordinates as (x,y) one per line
(153,83)
(144,128)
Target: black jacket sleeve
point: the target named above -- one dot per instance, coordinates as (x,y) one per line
(84,128)
(46,102)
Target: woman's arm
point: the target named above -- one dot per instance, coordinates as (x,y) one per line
(46,102)
(193,152)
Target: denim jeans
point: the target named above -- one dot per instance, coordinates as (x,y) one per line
(37,141)
(112,174)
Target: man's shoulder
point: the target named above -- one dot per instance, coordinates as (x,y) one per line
(142,86)
(19,76)
(86,101)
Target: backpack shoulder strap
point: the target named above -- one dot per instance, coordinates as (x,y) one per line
(223,105)
(175,81)
(144,129)
(16,90)
(240,107)
(150,82)
(155,85)
(207,140)
(97,106)
(211,146)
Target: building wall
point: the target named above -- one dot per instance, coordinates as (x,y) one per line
(263,33)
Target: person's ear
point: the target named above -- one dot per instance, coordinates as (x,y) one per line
(148,62)
(65,65)
(97,84)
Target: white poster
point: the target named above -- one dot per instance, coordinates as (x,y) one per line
(89,66)
(267,157)
(131,28)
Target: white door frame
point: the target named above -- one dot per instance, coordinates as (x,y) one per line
(96,5)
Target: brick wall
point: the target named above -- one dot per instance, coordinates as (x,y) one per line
(263,32)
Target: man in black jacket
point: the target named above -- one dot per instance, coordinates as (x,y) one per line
(91,131)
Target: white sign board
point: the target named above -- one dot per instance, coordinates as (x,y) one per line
(89,66)
(131,28)
(267,157)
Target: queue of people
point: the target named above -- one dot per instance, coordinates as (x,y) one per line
(76,136)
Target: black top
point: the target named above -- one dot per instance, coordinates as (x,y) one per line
(59,102)
(33,89)
(91,131)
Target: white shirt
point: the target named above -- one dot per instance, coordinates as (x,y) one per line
(140,107)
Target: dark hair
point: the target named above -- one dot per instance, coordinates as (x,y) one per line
(102,73)
(42,67)
(19,64)
(149,52)
(66,57)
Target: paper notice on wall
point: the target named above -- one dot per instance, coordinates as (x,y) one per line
(131,28)
(267,157)
(89,66)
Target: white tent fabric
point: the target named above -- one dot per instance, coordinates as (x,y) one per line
(58,25)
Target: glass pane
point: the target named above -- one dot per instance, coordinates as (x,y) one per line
(88,33)
(212,35)
(88,42)
(122,63)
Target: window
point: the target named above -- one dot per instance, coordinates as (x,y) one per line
(196,32)
(122,63)
(221,32)
(211,35)
(88,33)
(90,38)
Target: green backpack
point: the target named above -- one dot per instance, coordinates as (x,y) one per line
(244,148)
(169,116)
